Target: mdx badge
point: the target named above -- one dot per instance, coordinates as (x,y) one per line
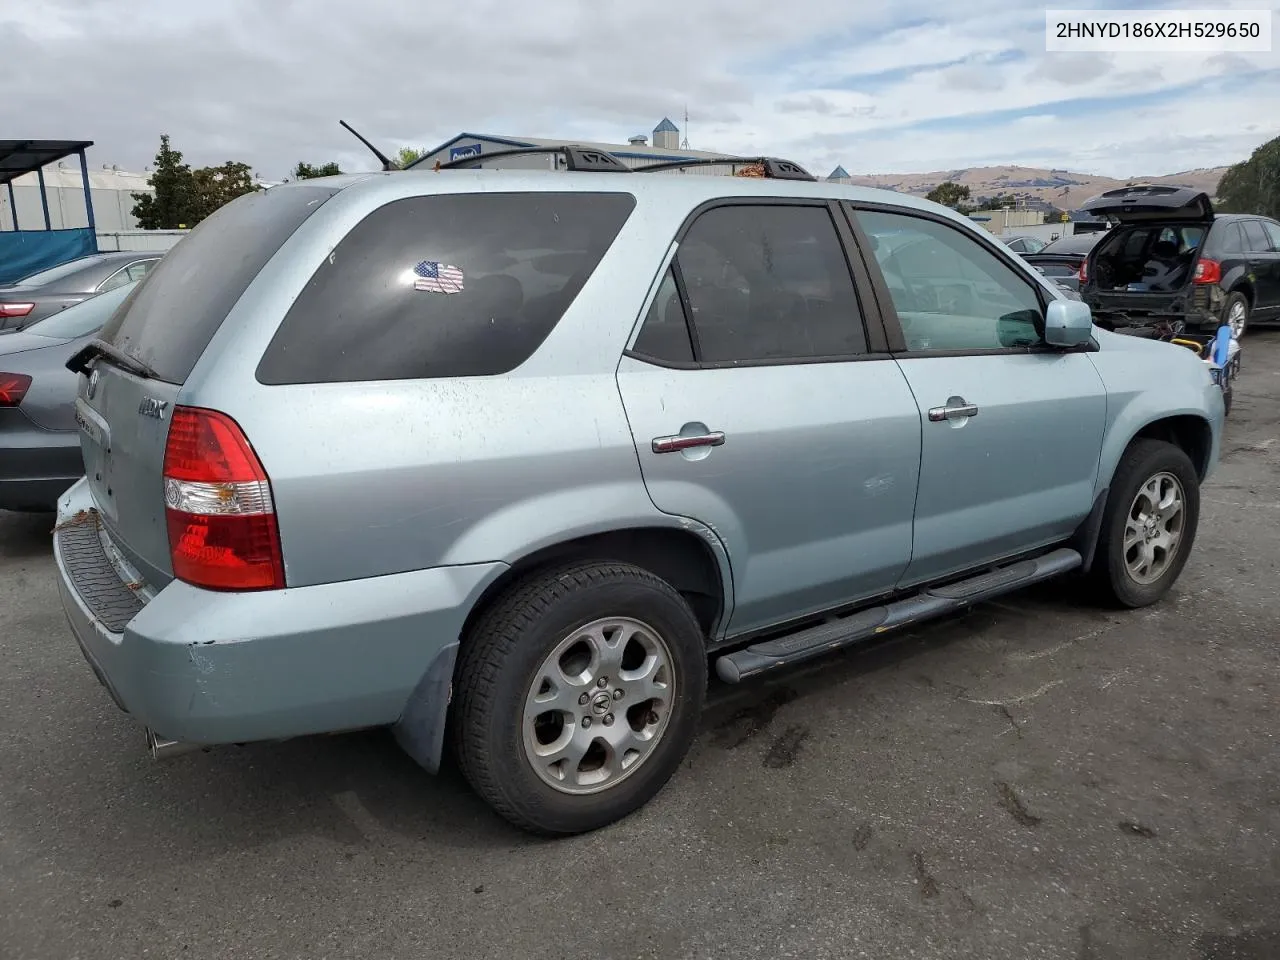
(151,407)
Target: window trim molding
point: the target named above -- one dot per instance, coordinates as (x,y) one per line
(889,311)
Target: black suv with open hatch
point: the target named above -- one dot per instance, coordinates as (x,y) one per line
(1170,257)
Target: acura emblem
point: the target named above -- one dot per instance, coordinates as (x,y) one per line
(92,388)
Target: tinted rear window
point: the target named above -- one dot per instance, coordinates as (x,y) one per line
(172,315)
(450,285)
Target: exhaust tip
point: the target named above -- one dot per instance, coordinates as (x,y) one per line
(162,748)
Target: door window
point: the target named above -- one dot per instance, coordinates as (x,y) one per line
(1273,234)
(1255,239)
(665,333)
(766,282)
(951,292)
(117,279)
(1230,241)
(139,269)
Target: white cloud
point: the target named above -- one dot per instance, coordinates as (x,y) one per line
(868,86)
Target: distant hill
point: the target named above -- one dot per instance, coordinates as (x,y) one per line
(1062,188)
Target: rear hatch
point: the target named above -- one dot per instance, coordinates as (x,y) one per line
(143,355)
(1145,267)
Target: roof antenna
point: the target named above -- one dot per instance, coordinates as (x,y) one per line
(685,145)
(387,163)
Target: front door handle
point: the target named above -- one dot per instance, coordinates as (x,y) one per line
(714,438)
(957,408)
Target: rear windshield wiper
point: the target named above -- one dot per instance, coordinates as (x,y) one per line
(84,357)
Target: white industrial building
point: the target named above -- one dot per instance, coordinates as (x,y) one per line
(637,152)
(64,189)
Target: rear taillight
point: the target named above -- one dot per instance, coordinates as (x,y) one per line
(13,387)
(1083,273)
(1207,271)
(15,309)
(222,522)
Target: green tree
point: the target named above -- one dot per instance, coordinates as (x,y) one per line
(215,186)
(173,204)
(407,155)
(183,197)
(948,194)
(305,171)
(1253,186)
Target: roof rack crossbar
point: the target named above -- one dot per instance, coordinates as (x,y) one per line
(774,167)
(577,158)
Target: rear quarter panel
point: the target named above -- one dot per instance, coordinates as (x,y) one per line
(1148,381)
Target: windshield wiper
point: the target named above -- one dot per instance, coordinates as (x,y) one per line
(84,357)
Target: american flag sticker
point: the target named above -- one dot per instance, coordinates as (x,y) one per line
(434,277)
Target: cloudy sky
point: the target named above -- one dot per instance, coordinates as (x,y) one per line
(911,86)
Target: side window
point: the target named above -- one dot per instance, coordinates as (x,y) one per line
(1229,240)
(117,279)
(1255,239)
(1273,234)
(139,269)
(769,282)
(951,292)
(665,333)
(447,285)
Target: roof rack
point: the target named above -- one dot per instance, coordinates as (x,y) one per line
(774,168)
(577,158)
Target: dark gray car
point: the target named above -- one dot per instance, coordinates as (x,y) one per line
(39,446)
(50,291)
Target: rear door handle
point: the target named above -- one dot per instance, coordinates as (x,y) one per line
(957,408)
(675,444)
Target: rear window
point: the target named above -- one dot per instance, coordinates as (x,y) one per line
(170,318)
(449,285)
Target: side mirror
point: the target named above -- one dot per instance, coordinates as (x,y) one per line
(1068,323)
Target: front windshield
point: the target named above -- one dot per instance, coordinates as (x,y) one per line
(60,272)
(84,318)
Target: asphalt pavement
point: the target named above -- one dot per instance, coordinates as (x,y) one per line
(1037,779)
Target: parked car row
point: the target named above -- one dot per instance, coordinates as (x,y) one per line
(510,461)
(43,294)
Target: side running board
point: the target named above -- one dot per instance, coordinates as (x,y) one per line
(932,602)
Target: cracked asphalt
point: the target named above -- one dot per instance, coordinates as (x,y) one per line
(1038,779)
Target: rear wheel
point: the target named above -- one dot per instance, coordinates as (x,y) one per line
(1149,524)
(577,695)
(1235,314)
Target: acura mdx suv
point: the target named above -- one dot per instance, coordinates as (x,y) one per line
(508,461)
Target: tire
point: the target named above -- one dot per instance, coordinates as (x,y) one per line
(1145,462)
(1236,311)
(531,642)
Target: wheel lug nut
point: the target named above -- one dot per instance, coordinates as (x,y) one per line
(617,694)
(586,721)
(602,682)
(608,719)
(584,698)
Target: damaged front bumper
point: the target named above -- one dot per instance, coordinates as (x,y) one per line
(205,667)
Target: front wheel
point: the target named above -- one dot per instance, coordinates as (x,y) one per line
(577,694)
(1148,525)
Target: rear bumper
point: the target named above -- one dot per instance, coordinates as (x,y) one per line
(1199,307)
(36,467)
(207,667)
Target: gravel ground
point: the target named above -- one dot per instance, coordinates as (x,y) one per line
(1039,779)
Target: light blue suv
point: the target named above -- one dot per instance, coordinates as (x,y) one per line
(507,459)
